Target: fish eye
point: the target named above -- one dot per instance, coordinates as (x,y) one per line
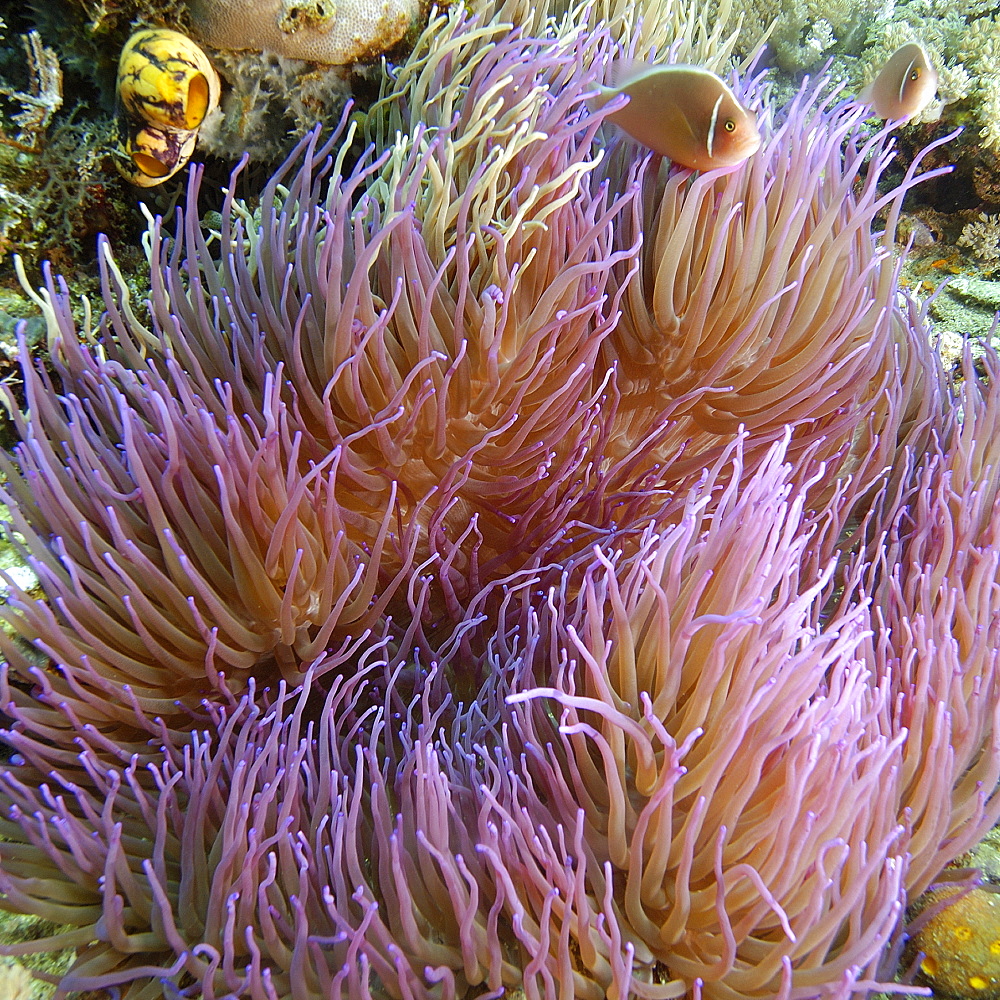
(729,125)
(915,74)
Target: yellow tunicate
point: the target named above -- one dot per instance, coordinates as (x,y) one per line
(166,89)
(978,983)
(166,79)
(148,156)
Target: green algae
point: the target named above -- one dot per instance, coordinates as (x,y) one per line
(967,306)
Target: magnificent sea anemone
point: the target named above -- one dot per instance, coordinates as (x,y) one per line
(505,562)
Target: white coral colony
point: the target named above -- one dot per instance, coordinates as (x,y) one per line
(322,31)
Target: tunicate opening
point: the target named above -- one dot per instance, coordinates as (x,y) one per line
(929,966)
(149,165)
(197,101)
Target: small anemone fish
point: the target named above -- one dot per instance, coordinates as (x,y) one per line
(166,89)
(685,113)
(904,86)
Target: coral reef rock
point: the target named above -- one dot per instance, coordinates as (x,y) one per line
(316,30)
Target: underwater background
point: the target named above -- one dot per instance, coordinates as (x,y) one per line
(500,499)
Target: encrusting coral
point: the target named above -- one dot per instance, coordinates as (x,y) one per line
(503,562)
(315,30)
(960,942)
(289,64)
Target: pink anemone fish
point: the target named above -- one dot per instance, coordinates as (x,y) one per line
(904,86)
(685,113)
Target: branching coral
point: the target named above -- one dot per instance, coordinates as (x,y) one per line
(982,237)
(506,562)
(803,32)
